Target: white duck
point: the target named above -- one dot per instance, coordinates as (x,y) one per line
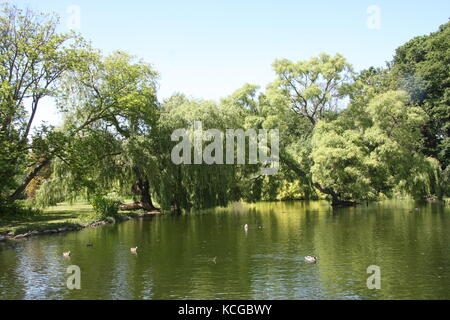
(311,259)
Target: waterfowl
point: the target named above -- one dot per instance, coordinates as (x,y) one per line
(246,227)
(66,254)
(311,259)
(134,250)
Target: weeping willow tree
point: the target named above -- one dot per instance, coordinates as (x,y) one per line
(119,139)
(110,111)
(185,186)
(87,168)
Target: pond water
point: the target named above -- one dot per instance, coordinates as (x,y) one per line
(209,255)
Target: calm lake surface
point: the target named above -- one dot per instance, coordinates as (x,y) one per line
(209,255)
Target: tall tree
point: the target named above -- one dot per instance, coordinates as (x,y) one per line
(111,109)
(422,68)
(186,186)
(33,57)
(302,94)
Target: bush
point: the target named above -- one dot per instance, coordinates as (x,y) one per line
(105,207)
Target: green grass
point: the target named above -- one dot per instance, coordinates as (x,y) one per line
(63,215)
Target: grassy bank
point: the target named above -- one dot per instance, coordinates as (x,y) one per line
(63,217)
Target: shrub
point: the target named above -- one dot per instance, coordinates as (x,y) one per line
(105,207)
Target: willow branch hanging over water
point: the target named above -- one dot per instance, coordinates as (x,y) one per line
(345,136)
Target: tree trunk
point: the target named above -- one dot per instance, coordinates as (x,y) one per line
(28,179)
(140,188)
(146,199)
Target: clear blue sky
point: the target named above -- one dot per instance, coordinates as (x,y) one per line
(207,49)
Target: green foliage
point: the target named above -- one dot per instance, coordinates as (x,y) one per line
(62,186)
(105,207)
(425,180)
(110,126)
(346,135)
(10,209)
(33,58)
(194,186)
(312,89)
(422,68)
(365,162)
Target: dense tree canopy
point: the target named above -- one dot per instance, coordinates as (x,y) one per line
(344,135)
(422,68)
(371,155)
(110,109)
